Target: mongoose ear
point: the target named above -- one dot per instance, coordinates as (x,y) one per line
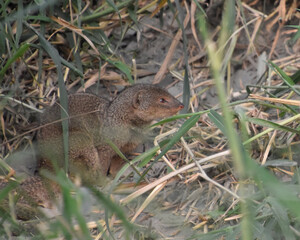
(136,101)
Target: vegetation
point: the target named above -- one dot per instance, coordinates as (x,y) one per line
(232,160)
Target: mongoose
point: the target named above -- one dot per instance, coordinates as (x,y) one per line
(30,194)
(93,122)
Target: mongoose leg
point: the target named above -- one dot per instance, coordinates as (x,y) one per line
(88,166)
(116,164)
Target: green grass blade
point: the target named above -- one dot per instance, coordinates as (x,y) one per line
(271,185)
(284,77)
(112,207)
(19,53)
(115,8)
(72,67)
(296,77)
(281,163)
(216,56)
(8,188)
(20,15)
(105,12)
(218,120)
(132,10)
(186,91)
(271,124)
(124,68)
(294,39)
(281,215)
(227,26)
(179,116)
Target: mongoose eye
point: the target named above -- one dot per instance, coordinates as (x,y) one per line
(163,100)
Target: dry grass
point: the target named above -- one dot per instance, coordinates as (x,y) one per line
(194,176)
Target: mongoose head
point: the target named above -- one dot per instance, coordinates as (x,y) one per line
(140,104)
(150,102)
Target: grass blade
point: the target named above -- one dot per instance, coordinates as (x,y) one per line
(19,53)
(271,124)
(284,77)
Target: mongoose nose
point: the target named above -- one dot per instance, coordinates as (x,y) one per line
(181,106)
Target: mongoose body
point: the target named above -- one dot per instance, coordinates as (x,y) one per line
(94,121)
